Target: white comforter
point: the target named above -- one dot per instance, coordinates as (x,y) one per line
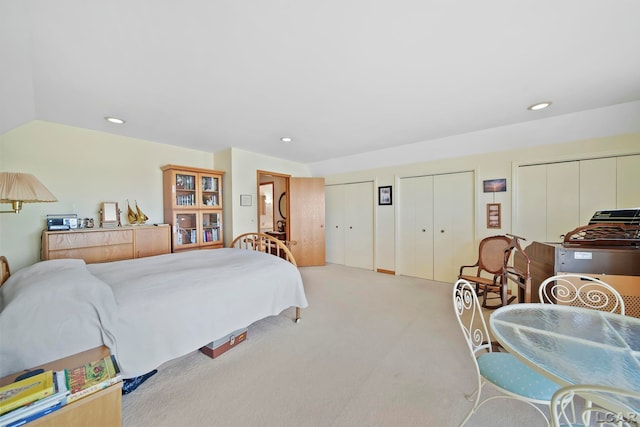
(147,310)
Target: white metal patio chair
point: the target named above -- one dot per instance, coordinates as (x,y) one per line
(502,370)
(622,407)
(581,291)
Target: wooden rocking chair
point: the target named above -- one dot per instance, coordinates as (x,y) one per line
(493,256)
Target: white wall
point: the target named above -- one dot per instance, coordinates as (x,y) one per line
(82,168)
(619,119)
(486,166)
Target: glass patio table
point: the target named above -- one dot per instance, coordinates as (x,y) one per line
(572,345)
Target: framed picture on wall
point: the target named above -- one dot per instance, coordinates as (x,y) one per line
(493,215)
(245,200)
(494,185)
(384,195)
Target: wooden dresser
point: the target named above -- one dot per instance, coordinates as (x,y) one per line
(107,244)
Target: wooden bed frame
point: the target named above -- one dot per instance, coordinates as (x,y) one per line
(4,270)
(268,244)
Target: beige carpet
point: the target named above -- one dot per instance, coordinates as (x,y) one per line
(371,350)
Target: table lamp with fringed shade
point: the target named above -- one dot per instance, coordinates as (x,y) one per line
(19,188)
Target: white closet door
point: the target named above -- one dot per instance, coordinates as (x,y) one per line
(531,205)
(358,248)
(424,229)
(563,199)
(334,217)
(415,227)
(453,224)
(597,187)
(406,245)
(628,179)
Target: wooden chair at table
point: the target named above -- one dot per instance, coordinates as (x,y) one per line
(622,406)
(493,256)
(502,370)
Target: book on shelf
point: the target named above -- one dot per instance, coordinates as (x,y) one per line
(40,407)
(25,391)
(91,377)
(34,416)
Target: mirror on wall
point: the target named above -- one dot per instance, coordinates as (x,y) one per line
(266,206)
(282,205)
(271,216)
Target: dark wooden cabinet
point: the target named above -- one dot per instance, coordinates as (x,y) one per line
(617,266)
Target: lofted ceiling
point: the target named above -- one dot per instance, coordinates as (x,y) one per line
(339,77)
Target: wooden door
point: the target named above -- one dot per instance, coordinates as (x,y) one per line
(358,214)
(334,216)
(453,218)
(306,220)
(415,227)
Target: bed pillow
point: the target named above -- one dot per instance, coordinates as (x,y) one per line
(53,309)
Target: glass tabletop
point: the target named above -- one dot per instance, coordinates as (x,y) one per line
(572,345)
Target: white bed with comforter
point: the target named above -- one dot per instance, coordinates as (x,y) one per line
(147,310)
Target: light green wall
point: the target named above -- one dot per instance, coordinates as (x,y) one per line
(485,166)
(82,168)
(244,166)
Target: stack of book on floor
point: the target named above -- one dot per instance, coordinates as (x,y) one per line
(38,393)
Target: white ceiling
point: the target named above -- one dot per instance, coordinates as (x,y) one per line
(340,77)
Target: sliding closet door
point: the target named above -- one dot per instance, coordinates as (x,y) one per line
(597,179)
(555,198)
(415,227)
(349,216)
(335,199)
(453,217)
(628,177)
(563,199)
(531,203)
(358,242)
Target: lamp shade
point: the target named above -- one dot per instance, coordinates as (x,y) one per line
(23,187)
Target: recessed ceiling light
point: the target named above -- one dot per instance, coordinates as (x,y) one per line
(286,139)
(539,106)
(114,120)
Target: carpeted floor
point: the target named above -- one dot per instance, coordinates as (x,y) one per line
(371,350)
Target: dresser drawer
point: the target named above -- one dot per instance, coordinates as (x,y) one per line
(81,239)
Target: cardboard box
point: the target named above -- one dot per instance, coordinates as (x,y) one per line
(221,345)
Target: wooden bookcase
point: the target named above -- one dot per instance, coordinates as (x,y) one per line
(100,409)
(193,207)
(107,244)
